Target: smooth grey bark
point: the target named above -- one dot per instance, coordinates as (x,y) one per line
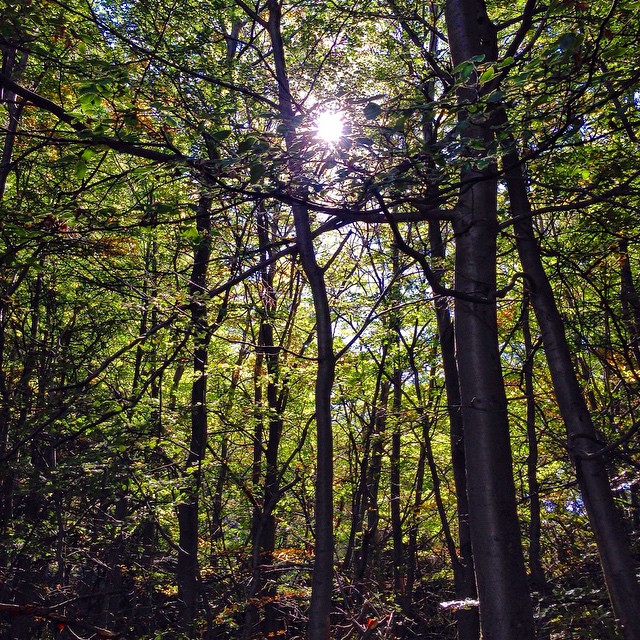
(584,446)
(467,619)
(319,626)
(505,605)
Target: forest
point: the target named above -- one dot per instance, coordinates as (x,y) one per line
(319,319)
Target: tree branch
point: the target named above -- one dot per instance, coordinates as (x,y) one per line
(64,116)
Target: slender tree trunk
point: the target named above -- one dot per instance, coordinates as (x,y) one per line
(631,317)
(365,500)
(535,565)
(412,544)
(399,563)
(582,438)
(322,584)
(11,67)
(188,510)
(264,525)
(148,316)
(319,627)
(369,549)
(13,63)
(629,299)
(505,605)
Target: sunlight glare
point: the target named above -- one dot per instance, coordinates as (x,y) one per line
(329,126)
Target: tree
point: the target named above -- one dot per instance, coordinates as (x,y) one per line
(193,280)
(505,608)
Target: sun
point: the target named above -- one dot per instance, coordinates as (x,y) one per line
(329,126)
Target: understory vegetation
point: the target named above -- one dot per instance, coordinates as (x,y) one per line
(263,380)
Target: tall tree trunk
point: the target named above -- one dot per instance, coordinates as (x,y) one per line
(630,301)
(467,619)
(319,627)
(582,438)
(149,317)
(322,584)
(505,605)
(11,67)
(264,524)
(399,563)
(188,510)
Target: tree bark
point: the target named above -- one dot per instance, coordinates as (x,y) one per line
(365,498)
(369,551)
(538,579)
(582,438)
(188,510)
(12,65)
(399,562)
(629,299)
(505,605)
(319,627)
(264,524)
(467,619)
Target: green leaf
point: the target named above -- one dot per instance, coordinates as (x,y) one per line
(568,42)
(190,233)
(87,154)
(81,169)
(487,75)
(161,208)
(483,163)
(400,123)
(541,100)
(256,171)
(372,111)
(495,96)
(223,134)
(464,70)
(247,144)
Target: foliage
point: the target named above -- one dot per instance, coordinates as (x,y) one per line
(119,119)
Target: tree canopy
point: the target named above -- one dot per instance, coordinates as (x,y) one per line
(262,379)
